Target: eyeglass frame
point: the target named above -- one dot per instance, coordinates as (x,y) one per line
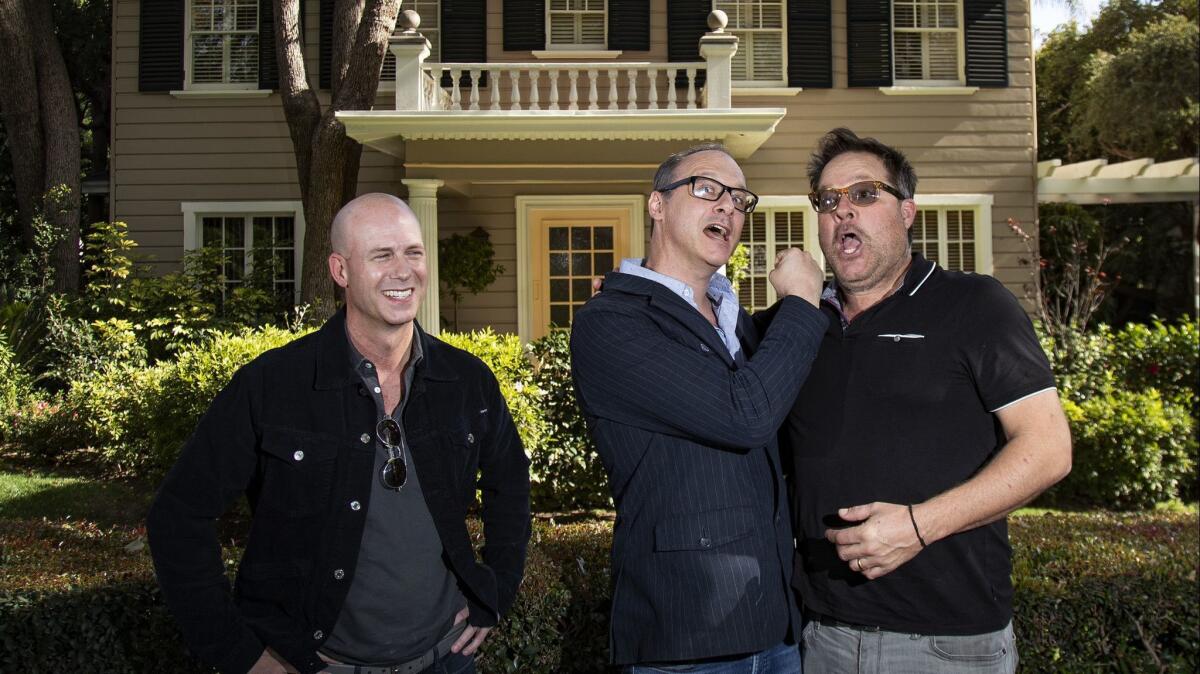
(395,455)
(814,196)
(690,181)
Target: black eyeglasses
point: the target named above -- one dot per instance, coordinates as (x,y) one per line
(708,189)
(864,193)
(395,471)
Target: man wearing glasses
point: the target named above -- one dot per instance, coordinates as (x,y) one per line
(929,415)
(360,448)
(683,400)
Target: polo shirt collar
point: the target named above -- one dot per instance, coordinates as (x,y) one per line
(919,271)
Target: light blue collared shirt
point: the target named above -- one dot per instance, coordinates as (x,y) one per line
(720,293)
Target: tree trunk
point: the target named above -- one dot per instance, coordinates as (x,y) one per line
(327,162)
(43,127)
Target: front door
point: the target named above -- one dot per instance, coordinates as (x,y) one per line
(569,249)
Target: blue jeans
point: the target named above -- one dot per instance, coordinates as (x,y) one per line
(848,650)
(781,659)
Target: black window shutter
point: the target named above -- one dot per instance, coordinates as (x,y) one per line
(986,40)
(869,43)
(325,45)
(524,25)
(268,67)
(160,45)
(629,25)
(464,36)
(809,44)
(687,22)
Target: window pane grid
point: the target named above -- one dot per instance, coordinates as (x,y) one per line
(759,27)
(578,23)
(577,254)
(224,41)
(765,234)
(246,240)
(926,40)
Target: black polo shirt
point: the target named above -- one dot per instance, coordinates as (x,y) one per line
(898,408)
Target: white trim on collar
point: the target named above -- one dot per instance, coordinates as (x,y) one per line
(932,266)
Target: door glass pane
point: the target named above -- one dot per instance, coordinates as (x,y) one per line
(560,290)
(558,238)
(581,238)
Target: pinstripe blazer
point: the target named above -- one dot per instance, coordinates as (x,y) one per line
(702,547)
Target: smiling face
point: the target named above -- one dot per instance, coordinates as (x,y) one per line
(379,258)
(867,246)
(692,237)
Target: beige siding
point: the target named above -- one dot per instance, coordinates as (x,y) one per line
(167,150)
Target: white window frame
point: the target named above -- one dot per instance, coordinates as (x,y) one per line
(981,204)
(601,47)
(959,31)
(188,84)
(783,42)
(194,211)
(768,205)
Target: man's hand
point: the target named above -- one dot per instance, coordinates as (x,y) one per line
(797,273)
(471,638)
(884,539)
(270,663)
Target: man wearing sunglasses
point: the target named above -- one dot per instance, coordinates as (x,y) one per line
(683,400)
(929,415)
(360,448)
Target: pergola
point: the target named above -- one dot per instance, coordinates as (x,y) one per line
(1138,181)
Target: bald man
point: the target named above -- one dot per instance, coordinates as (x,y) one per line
(360,448)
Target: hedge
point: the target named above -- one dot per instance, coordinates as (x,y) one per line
(1093,591)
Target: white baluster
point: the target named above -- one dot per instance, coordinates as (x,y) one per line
(514,101)
(593,97)
(455,92)
(691,93)
(612,89)
(534,76)
(573,76)
(494,88)
(654,88)
(474,88)
(631,101)
(672,73)
(554,90)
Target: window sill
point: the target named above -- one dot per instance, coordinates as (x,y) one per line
(221,93)
(928,91)
(576,54)
(766,91)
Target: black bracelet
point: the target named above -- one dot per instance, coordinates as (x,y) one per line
(914,521)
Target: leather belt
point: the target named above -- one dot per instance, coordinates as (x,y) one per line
(414,666)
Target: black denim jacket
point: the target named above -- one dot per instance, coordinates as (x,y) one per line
(294,431)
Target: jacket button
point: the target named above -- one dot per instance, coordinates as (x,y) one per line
(318,635)
(377,389)
(365,438)
(470,438)
(355,505)
(299,455)
(338,574)
(706,542)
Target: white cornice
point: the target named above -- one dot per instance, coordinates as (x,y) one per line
(742,130)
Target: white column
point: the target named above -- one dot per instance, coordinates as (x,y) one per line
(717,48)
(422,198)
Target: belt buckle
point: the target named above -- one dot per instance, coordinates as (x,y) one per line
(396,669)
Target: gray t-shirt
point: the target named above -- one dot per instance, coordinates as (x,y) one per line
(403,598)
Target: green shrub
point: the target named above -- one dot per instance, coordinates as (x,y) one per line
(1132,450)
(507,359)
(1160,356)
(15,385)
(569,473)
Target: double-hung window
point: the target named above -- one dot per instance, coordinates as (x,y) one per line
(927,42)
(760,28)
(768,230)
(222,44)
(576,24)
(259,242)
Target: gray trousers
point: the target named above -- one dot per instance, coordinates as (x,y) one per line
(846,650)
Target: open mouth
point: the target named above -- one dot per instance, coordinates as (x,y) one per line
(849,243)
(398,294)
(717,231)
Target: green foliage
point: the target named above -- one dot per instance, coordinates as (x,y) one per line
(507,359)
(568,471)
(466,264)
(1132,450)
(738,267)
(1064,91)
(15,384)
(1092,591)
(1141,100)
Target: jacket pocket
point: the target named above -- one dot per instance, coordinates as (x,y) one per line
(297,472)
(704,530)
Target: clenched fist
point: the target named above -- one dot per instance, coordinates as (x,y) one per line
(797,273)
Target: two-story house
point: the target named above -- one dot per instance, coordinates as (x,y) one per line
(562,111)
